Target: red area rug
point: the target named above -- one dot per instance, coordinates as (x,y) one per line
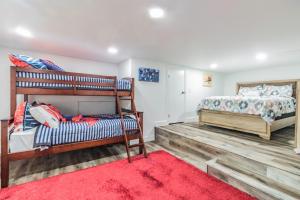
(161,176)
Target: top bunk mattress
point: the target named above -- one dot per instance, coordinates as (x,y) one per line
(122,84)
(269,108)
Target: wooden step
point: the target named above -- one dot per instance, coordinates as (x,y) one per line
(263,170)
(263,161)
(276,157)
(252,185)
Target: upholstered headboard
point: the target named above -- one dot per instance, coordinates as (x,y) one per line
(276,82)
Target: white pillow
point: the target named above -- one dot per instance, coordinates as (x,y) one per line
(282,90)
(45,116)
(251,91)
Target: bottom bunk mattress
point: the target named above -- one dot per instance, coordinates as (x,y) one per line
(71,132)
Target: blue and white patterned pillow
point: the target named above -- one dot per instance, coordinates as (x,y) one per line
(282,90)
(29,122)
(36,63)
(251,91)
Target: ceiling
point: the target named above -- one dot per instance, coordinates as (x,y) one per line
(193,33)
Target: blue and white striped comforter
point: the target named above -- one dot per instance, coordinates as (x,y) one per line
(70,132)
(122,84)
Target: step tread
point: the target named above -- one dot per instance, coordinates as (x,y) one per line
(264,186)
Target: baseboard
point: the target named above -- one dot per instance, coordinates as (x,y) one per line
(149,138)
(161,123)
(191,119)
(297,150)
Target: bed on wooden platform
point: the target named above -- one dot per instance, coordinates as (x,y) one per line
(259,108)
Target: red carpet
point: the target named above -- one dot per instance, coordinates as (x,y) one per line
(161,176)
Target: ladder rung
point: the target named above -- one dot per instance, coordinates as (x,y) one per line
(126,99)
(136,145)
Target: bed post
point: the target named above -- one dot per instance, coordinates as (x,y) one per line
(4,154)
(132,88)
(297,128)
(13,91)
(141,120)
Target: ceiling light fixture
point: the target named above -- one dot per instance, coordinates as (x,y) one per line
(156,13)
(112,50)
(261,56)
(214,66)
(23,32)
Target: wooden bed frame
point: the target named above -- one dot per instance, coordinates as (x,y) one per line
(253,123)
(6,156)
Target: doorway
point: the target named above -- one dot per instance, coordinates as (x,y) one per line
(176,95)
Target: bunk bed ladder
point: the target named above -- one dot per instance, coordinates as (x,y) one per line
(133,111)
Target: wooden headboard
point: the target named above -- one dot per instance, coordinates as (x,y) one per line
(276,82)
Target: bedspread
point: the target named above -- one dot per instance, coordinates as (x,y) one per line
(269,108)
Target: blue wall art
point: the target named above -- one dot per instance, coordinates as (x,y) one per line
(148,74)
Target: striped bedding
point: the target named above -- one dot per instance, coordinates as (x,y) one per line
(70,132)
(122,84)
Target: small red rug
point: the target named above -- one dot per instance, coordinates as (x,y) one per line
(160,176)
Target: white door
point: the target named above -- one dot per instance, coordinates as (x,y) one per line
(176,95)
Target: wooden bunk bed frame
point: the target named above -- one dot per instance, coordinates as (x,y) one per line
(6,156)
(252,123)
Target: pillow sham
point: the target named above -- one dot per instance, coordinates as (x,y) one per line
(45,116)
(251,91)
(35,63)
(51,66)
(282,90)
(22,118)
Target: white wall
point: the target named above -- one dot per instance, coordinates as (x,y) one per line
(124,69)
(68,104)
(195,91)
(151,98)
(268,73)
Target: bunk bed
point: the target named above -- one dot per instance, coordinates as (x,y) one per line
(27,81)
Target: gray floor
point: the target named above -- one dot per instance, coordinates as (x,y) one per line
(34,169)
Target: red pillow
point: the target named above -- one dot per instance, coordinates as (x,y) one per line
(17,62)
(57,113)
(19,114)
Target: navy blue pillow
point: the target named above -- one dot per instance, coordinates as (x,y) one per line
(51,66)
(29,122)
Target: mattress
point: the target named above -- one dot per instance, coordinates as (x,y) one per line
(122,84)
(70,132)
(269,108)
(21,141)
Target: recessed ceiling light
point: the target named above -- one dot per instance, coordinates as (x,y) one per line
(23,32)
(156,13)
(214,66)
(261,56)
(112,50)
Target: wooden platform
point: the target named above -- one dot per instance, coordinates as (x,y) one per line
(265,169)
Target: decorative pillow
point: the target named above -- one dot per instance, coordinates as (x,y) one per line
(283,90)
(57,113)
(251,91)
(45,115)
(16,61)
(22,119)
(51,66)
(36,63)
